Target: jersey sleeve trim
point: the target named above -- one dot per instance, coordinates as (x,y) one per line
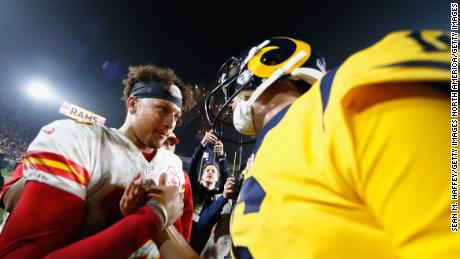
(58,165)
(56,182)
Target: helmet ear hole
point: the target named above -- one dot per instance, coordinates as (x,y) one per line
(272,57)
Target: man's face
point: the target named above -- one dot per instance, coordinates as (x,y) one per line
(170,145)
(210,174)
(154,120)
(243,95)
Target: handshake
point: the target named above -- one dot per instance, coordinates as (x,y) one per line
(165,201)
(210,138)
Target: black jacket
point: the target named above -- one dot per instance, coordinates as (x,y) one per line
(202,197)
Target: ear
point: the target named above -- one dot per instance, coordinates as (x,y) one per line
(131,104)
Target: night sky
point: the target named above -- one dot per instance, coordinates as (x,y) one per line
(83,48)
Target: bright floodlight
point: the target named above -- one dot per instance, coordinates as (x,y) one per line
(41,91)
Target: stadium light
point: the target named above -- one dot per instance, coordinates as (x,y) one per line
(40,90)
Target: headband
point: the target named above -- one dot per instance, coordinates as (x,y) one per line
(157,90)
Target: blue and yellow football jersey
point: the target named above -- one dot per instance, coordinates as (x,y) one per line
(358,167)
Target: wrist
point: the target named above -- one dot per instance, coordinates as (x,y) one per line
(226,195)
(160,211)
(145,223)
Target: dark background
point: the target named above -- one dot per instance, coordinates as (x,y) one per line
(83,48)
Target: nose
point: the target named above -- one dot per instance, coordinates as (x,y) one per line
(170,121)
(233,104)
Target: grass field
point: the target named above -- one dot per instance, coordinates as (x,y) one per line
(6,176)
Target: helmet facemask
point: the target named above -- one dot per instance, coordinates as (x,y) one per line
(272,60)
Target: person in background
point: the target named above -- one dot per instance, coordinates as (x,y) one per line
(207,185)
(186,219)
(213,225)
(171,142)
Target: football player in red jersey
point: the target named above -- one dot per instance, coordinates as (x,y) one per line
(75,176)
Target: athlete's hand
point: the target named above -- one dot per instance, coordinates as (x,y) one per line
(219,148)
(137,193)
(133,197)
(209,138)
(169,196)
(229,187)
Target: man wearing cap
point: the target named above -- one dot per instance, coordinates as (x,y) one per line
(184,225)
(171,142)
(75,175)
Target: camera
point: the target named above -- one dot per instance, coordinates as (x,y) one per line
(238,183)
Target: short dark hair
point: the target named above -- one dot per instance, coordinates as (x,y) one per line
(164,75)
(212,164)
(167,77)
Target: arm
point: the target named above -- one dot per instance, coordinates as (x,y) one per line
(188,210)
(50,211)
(209,138)
(118,241)
(55,224)
(225,171)
(172,245)
(12,194)
(210,216)
(12,190)
(194,168)
(223,164)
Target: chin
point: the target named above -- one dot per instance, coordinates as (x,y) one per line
(155,144)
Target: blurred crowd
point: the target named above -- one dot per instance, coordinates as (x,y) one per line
(19,125)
